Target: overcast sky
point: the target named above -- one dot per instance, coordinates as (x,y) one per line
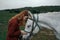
(9,4)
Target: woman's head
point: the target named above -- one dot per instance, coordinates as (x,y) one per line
(22,17)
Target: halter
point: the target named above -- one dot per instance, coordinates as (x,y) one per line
(34,20)
(31,33)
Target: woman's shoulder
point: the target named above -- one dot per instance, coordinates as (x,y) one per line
(12,20)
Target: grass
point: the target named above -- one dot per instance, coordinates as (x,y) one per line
(44,34)
(4,17)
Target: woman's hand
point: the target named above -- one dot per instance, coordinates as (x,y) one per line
(23,32)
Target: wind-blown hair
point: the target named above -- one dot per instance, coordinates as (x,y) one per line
(20,16)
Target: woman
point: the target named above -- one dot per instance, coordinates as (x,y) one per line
(14,23)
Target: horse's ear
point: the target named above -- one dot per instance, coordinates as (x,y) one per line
(30,14)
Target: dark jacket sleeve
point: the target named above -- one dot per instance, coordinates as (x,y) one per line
(12,30)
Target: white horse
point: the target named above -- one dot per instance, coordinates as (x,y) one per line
(50,20)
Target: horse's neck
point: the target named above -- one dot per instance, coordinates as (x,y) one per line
(49,18)
(51,15)
(40,22)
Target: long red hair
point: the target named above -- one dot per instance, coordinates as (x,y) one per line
(20,17)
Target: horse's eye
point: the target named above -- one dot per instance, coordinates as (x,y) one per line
(29,26)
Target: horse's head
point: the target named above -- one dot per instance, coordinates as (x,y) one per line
(30,28)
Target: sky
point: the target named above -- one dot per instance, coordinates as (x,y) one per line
(11,4)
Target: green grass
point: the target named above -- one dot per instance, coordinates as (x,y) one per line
(4,17)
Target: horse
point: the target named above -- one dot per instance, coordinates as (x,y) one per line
(50,20)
